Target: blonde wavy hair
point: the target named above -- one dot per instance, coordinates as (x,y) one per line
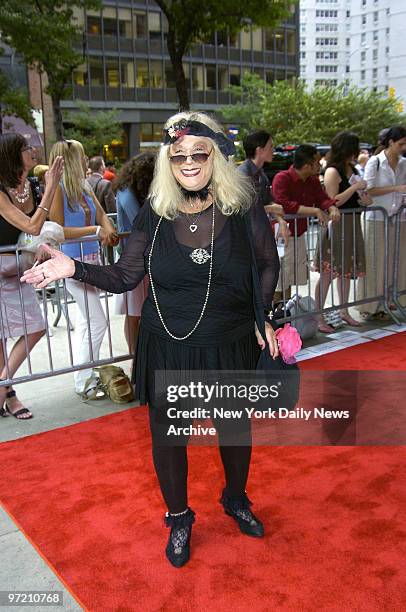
(232,191)
(73,178)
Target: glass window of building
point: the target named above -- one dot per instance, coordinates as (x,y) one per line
(80,75)
(169,76)
(93,25)
(222,77)
(257,40)
(140,24)
(112,73)
(269,76)
(154,25)
(127,74)
(235,75)
(96,71)
(211,77)
(156,76)
(280,41)
(125,23)
(198,77)
(268,39)
(234,40)
(291,42)
(109,26)
(142,74)
(246,40)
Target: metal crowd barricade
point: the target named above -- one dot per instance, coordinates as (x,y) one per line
(50,369)
(376,228)
(399,284)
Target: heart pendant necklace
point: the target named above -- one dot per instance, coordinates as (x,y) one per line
(193,225)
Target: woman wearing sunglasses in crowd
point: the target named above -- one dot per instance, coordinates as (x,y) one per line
(21,210)
(191,237)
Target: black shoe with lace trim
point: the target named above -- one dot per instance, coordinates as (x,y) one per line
(178,547)
(238,507)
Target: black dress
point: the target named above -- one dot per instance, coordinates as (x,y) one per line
(225,337)
(344,253)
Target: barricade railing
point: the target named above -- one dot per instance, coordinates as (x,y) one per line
(312,245)
(397,280)
(57,294)
(362,241)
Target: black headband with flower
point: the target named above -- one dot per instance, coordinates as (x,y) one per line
(196,128)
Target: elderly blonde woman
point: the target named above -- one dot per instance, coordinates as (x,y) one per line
(76,208)
(199,314)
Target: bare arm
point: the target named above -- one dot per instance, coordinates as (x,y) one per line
(332,182)
(379,191)
(32,225)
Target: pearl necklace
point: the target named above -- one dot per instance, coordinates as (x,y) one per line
(208,283)
(24,195)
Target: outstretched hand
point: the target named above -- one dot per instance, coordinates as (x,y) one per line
(55,265)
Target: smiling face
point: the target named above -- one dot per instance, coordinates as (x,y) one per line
(192,174)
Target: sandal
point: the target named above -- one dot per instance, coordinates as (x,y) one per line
(350,320)
(18,414)
(324,328)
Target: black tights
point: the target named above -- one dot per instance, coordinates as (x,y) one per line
(171,466)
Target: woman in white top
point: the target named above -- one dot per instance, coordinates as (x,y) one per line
(385,175)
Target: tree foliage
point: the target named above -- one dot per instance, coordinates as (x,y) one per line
(294,114)
(44,32)
(93,130)
(193,20)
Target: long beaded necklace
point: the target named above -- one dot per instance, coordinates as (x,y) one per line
(208,283)
(24,195)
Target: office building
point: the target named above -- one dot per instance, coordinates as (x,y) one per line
(357,42)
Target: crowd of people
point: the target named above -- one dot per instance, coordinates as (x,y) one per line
(183,272)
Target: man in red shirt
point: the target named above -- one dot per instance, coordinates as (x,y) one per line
(299,191)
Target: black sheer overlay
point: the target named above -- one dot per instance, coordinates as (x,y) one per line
(132,265)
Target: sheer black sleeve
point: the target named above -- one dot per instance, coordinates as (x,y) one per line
(130,269)
(266,253)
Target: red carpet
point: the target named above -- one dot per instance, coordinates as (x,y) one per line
(387,353)
(86,496)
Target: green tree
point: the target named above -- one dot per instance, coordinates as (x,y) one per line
(93,130)
(13,102)
(45,32)
(292,113)
(193,20)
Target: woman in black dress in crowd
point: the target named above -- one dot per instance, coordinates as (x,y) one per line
(191,237)
(21,210)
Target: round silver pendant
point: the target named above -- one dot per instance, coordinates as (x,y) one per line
(200,256)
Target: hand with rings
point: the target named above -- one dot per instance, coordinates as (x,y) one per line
(56,265)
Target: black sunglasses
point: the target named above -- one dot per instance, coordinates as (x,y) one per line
(27,148)
(200,158)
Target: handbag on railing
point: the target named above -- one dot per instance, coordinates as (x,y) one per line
(301,309)
(51,233)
